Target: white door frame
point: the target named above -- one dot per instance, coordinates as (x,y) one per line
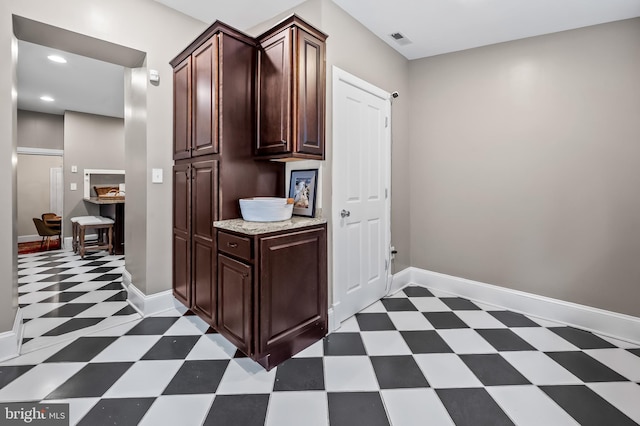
(339,75)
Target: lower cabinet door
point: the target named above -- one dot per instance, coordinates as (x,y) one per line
(293,292)
(234,302)
(204,204)
(182,234)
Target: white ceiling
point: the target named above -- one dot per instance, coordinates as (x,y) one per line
(442,26)
(433,26)
(82,84)
(241,14)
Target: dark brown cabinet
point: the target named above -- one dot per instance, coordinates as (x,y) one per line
(182,110)
(214,136)
(182,233)
(266,292)
(196,102)
(234,309)
(195,204)
(272,299)
(291,94)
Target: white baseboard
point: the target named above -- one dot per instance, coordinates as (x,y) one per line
(600,321)
(399,280)
(28,238)
(152,304)
(126,278)
(67,241)
(10,341)
(331,319)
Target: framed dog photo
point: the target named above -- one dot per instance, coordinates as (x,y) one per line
(302,189)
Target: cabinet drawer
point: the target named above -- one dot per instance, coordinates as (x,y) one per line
(234,245)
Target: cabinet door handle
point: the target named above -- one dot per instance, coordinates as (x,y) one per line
(232,245)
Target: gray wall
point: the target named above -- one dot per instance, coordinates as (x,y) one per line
(39,130)
(91,142)
(36,130)
(524,165)
(33,189)
(128,23)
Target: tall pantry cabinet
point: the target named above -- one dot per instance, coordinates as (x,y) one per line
(214,137)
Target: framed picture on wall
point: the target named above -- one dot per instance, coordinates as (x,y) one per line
(302,189)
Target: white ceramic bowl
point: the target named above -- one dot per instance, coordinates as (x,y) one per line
(265,209)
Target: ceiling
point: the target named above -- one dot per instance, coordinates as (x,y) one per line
(433,27)
(82,84)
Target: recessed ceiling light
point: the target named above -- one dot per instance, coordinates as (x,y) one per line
(46,98)
(56,58)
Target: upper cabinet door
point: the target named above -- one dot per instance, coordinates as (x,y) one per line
(182,110)
(205,98)
(310,94)
(291,113)
(274,109)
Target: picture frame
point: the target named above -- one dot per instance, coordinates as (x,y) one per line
(302,188)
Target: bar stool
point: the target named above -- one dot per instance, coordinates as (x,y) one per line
(100,224)
(74,230)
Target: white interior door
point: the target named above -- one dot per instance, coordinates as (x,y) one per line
(56,190)
(361,198)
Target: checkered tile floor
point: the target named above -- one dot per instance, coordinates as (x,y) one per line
(63,297)
(419,357)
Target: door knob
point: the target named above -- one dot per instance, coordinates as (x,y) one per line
(345,213)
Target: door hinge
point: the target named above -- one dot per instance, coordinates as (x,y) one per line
(386,264)
(386,122)
(386,193)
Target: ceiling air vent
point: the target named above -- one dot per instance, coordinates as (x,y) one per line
(400,39)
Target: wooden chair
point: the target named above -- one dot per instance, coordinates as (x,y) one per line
(45,232)
(52,220)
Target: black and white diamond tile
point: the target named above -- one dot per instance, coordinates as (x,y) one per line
(418,357)
(64,297)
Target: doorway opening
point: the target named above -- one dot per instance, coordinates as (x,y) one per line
(60,295)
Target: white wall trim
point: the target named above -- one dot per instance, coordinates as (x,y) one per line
(331,319)
(28,238)
(39,151)
(399,280)
(11,341)
(600,321)
(126,278)
(87,178)
(152,304)
(67,242)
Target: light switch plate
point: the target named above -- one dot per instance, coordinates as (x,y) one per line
(156,175)
(74,187)
(74,169)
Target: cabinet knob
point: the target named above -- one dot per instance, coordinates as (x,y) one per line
(232,245)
